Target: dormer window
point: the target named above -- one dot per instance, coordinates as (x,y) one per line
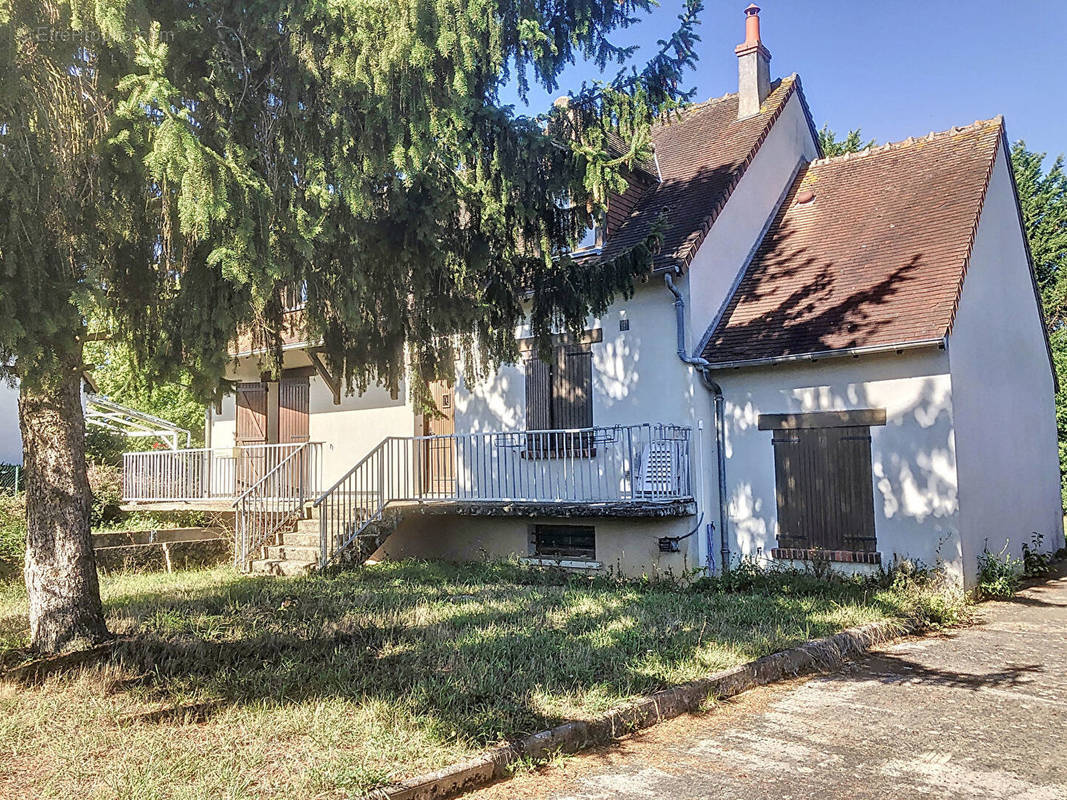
(592,239)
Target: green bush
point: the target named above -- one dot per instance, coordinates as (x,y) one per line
(104,447)
(1036,564)
(148,520)
(743,576)
(927,596)
(907,589)
(998,574)
(105,483)
(12,535)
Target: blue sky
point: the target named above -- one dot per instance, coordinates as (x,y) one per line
(895,69)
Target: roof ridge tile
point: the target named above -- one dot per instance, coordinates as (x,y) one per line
(856,268)
(978,124)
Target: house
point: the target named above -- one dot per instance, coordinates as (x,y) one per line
(99,412)
(10,436)
(835,358)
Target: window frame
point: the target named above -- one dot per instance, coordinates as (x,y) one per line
(567,553)
(597,229)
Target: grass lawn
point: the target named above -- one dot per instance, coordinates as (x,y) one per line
(327,686)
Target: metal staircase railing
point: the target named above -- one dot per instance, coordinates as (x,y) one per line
(355,501)
(275,501)
(621,464)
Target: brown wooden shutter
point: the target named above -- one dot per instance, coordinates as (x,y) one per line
(854,482)
(572,389)
(251,413)
(293,410)
(824,488)
(538,395)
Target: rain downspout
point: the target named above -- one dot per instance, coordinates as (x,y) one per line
(720,413)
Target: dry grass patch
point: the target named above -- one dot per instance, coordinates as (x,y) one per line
(241,687)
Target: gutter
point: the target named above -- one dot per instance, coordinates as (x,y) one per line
(720,413)
(823,354)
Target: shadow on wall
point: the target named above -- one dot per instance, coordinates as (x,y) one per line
(913,455)
(636,377)
(373,397)
(321,400)
(795,303)
(621,361)
(498,401)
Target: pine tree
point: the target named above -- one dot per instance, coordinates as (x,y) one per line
(852,143)
(1043,199)
(172,169)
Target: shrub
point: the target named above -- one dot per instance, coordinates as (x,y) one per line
(998,574)
(103,446)
(1036,564)
(12,535)
(744,576)
(927,596)
(105,483)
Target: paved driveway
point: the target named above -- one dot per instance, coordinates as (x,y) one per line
(978,714)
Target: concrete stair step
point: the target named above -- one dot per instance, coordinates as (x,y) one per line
(273,566)
(299,538)
(288,552)
(308,526)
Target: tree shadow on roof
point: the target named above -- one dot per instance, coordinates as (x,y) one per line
(795,305)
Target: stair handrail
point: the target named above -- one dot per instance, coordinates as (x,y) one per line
(348,474)
(273,469)
(325,555)
(241,556)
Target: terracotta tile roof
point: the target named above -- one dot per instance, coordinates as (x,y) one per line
(701,155)
(877,258)
(643,168)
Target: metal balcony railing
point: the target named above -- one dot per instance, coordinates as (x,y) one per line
(623,464)
(204,474)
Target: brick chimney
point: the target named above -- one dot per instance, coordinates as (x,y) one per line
(753,67)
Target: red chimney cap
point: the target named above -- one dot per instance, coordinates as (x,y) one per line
(752,35)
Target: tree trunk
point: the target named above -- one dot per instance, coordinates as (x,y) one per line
(64,594)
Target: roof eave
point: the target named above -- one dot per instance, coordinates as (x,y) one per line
(822,355)
(1005,143)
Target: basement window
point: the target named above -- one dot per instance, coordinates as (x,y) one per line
(563,542)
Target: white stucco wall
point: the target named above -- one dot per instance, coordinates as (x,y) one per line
(623,546)
(637,378)
(10,438)
(739,226)
(1003,392)
(913,455)
(348,431)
